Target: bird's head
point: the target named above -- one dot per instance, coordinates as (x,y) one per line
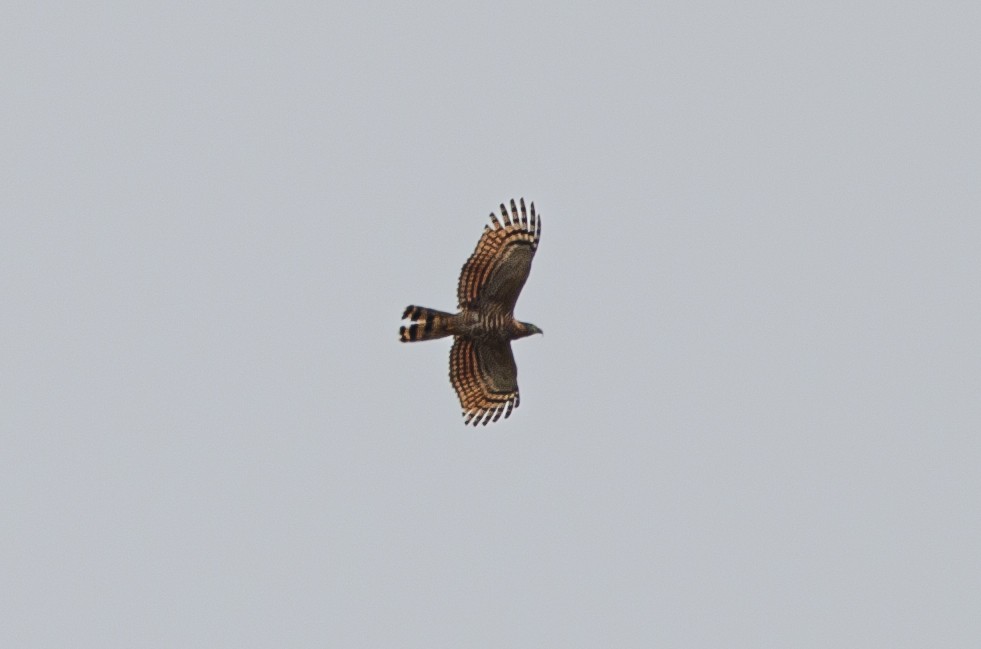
(530,329)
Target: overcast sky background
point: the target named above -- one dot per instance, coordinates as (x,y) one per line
(753,420)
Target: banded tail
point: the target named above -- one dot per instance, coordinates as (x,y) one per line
(424,324)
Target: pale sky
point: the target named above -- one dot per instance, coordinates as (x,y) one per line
(753,420)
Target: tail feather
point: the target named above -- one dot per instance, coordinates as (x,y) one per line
(424,324)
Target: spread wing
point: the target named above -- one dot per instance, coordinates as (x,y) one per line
(494,274)
(485,378)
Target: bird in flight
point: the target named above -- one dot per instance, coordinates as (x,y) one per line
(482,368)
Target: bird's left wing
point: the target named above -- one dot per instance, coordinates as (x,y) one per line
(485,378)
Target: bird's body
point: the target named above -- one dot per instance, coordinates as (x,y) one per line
(482,368)
(481,325)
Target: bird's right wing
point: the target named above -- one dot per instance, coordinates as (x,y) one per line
(494,274)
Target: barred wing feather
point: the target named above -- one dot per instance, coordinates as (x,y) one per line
(485,378)
(493,276)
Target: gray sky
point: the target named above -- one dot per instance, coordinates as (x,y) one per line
(753,420)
